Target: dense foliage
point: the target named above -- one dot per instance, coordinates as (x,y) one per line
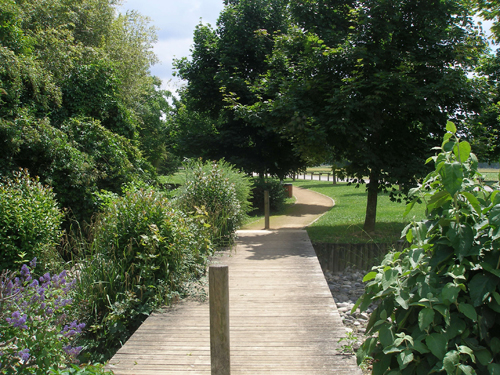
(30,222)
(277,194)
(439,299)
(38,331)
(224,61)
(359,79)
(219,191)
(142,253)
(74,76)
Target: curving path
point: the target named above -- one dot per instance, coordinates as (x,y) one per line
(283,319)
(308,207)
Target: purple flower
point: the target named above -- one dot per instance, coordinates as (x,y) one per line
(72,351)
(24,354)
(17,320)
(33,263)
(72,329)
(25,270)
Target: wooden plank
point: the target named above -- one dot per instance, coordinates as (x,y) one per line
(283,318)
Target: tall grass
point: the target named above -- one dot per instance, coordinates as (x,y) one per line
(221,192)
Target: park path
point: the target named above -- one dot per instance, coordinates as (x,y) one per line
(283,319)
(308,207)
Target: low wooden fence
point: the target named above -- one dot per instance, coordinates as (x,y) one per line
(335,257)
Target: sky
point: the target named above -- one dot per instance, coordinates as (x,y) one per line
(175,21)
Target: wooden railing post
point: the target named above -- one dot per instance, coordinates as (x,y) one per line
(219,319)
(266,209)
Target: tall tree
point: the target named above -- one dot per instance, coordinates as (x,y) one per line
(226,60)
(75,108)
(377,83)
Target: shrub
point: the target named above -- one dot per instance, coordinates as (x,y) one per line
(142,254)
(29,221)
(277,194)
(77,160)
(438,300)
(37,331)
(221,191)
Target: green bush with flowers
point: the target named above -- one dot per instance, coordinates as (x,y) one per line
(37,330)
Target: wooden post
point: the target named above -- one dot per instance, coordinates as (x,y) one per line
(219,320)
(266,208)
(312,174)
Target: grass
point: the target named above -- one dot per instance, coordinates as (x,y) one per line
(344,222)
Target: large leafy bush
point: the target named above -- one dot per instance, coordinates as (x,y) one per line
(438,300)
(220,191)
(142,254)
(30,221)
(77,160)
(277,195)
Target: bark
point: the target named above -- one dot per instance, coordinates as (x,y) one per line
(371,203)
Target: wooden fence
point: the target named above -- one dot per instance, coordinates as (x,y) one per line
(337,257)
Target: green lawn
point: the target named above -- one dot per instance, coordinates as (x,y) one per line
(344,222)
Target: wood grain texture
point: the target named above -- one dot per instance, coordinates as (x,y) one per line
(283,317)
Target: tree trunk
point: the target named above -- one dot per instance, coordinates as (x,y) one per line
(371,203)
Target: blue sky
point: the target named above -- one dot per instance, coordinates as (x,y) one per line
(176,21)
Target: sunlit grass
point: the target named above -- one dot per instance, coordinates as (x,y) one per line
(344,222)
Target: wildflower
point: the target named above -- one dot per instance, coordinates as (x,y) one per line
(18,320)
(24,355)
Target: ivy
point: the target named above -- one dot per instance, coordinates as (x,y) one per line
(438,299)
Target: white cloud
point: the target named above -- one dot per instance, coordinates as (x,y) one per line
(176,21)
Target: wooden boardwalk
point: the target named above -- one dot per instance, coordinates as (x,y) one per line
(283,319)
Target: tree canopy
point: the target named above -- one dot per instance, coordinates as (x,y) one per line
(375,82)
(227,60)
(78,105)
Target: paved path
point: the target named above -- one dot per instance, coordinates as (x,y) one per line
(283,319)
(308,207)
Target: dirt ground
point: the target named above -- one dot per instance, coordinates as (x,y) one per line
(308,208)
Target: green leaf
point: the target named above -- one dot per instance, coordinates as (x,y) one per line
(473,201)
(467,370)
(437,344)
(462,238)
(425,318)
(494,369)
(450,293)
(450,127)
(494,216)
(369,276)
(386,336)
(484,356)
(420,347)
(480,287)
(451,361)
(488,267)
(405,358)
(468,310)
(495,345)
(389,278)
(438,200)
(462,151)
(402,298)
(452,175)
